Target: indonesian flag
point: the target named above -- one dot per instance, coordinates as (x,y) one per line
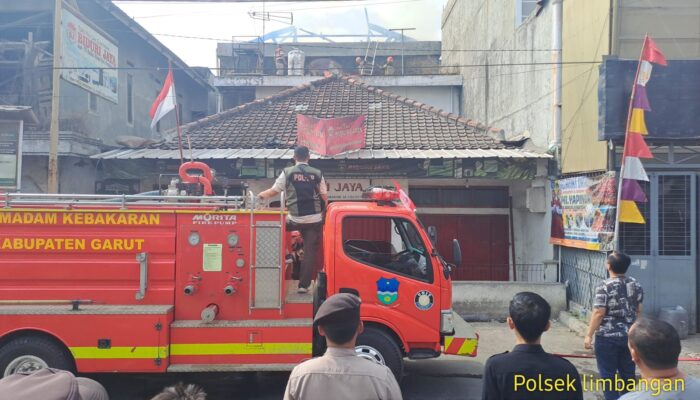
(166,100)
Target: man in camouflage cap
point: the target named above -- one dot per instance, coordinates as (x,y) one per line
(339,373)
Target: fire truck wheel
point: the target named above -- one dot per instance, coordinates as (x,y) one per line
(376,345)
(30,353)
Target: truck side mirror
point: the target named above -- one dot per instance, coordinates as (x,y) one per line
(456,252)
(432,234)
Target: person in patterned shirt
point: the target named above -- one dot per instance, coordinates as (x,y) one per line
(617,304)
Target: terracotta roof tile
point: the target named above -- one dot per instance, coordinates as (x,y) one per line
(393,122)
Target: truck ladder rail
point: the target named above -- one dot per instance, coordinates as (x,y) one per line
(252,263)
(124,201)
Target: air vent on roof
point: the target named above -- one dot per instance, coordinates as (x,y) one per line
(300,107)
(375,106)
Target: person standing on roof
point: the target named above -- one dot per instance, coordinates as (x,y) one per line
(389,66)
(279,60)
(306,195)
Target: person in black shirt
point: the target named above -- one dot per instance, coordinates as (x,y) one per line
(528,372)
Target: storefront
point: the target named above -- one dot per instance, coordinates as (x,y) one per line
(664,249)
(468,185)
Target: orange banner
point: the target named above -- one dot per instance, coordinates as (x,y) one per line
(331,136)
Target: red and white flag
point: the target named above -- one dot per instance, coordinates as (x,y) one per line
(166,100)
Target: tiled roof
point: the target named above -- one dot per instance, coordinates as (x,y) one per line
(393,122)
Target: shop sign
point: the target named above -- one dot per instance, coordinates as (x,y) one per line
(88,58)
(346,189)
(583,212)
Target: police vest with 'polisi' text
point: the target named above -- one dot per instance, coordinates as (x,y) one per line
(303,186)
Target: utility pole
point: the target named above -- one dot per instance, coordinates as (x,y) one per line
(402,43)
(55,100)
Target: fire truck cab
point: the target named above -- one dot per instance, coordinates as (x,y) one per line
(94,283)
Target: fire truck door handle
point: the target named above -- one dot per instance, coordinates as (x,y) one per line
(142,258)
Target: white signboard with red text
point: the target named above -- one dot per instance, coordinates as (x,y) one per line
(89,59)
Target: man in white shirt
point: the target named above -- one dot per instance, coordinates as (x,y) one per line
(306,197)
(655,347)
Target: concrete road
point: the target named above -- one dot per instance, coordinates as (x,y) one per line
(425,380)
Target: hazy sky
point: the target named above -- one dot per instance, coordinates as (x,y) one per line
(224,21)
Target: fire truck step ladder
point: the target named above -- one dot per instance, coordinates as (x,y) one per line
(266,269)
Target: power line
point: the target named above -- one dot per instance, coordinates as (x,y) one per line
(473,78)
(330,46)
(165,68)
(272,7)
(321,45)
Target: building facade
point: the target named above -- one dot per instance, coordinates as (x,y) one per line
(102,99)
(466,183)
(504,56)
(248,70)
(602,41)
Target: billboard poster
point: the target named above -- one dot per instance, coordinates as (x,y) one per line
(93,57)
(10,154)
(583,212)
(331,136)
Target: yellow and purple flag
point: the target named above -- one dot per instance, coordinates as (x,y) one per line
(636,147)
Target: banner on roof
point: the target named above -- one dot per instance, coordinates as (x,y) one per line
(583,212)
(331,136)
(88,59)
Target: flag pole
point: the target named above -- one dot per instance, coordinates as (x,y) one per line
(616,240)
(189,144)
(177,117)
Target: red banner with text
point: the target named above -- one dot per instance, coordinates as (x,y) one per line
(331,136)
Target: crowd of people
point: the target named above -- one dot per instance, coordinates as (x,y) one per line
(621,338)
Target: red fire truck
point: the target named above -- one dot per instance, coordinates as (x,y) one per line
(94,283)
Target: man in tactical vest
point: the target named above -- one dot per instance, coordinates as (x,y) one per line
(306,195)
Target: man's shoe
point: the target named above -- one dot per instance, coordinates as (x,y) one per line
(302,290)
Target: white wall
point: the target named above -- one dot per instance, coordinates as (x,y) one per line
(514,98)
(486,301)
(532,229)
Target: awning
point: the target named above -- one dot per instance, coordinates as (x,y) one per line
(273,154)
(23,113)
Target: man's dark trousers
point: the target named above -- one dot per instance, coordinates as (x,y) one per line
(311,234)
(613,357)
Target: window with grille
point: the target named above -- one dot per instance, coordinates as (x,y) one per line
(674,215)
(671,225)
(635,239)
(523,10)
